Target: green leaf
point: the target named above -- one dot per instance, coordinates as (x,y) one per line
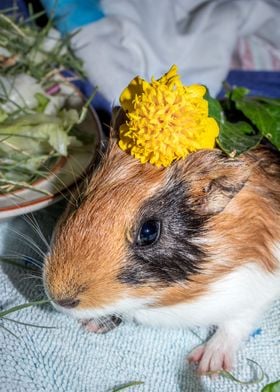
(23,306)
(273,387)
(270,101)
(42,100)
(129,384)
(69,118)
(238,93)
(236,138)
(214,107)
(265,116)
(38,133)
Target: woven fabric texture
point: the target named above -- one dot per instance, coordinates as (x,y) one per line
(69,359)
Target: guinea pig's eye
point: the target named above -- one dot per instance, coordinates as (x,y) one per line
(148,233)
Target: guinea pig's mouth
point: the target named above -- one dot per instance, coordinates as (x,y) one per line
(123,307)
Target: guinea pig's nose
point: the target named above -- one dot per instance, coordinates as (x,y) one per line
(68,302)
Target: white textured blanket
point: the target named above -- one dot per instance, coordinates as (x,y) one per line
(69,359)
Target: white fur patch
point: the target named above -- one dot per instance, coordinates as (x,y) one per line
(241,295)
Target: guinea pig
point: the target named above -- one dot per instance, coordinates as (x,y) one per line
(193,244)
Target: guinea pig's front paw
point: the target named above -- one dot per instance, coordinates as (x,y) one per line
(211,358)
(101,325)
(217,353)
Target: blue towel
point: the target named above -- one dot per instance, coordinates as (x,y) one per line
(263,83)
(71,14)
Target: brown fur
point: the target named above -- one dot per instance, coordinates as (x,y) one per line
(241,195)
(245,231)
(91,271)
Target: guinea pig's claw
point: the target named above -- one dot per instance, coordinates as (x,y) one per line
(196,355)
(101,325)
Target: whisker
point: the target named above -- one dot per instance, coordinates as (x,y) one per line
(107,324)
(29,241)
(77,187)
(35,225)
(62,183)
(40,286)
(22,256)
(78,181)
(25,258)
(24,278)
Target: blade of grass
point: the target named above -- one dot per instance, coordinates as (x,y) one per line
(127,385)
(61,56)
(23,306)
(12,24)
(9,10)
(230,376)
(28,324)
(33,15)
(86,106)
(25,185)
(196,334)
(7,330)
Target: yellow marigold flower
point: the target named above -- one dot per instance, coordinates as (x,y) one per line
(166,120)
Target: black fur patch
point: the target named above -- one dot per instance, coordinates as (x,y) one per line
(174,257)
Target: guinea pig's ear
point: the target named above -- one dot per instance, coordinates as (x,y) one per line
(118,118)
(220,189)
(215,180)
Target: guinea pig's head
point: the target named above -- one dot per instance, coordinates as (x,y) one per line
(139,232)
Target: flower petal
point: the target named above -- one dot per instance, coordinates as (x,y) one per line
(171,77)
(135,88)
